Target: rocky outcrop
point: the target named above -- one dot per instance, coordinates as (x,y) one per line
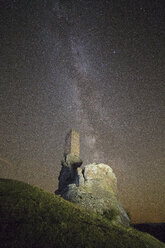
(68,173)
(93,187)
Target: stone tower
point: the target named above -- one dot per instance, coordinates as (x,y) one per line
(70,162)
(72,143)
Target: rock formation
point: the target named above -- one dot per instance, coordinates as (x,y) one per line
(68,174)
(93,187)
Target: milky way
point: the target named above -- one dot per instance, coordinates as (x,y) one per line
(98,67)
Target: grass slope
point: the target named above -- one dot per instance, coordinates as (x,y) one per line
(31,217)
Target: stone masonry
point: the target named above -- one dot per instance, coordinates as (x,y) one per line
(72,143)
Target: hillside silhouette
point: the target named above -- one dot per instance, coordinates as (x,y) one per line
(31,217)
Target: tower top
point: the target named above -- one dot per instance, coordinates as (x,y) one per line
(72,143)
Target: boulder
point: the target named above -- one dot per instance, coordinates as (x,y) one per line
(93,187)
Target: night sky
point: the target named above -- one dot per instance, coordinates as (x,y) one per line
(95,66)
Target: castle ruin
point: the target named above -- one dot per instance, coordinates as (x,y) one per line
(72,143)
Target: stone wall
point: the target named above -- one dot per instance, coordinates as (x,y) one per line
(72,143)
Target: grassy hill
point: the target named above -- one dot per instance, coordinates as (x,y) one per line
(31,217)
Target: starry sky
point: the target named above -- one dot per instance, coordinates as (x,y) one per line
(95,66)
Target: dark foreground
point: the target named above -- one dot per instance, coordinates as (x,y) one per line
(31,217)
(155,229)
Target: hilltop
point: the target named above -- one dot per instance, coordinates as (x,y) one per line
(31,217)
